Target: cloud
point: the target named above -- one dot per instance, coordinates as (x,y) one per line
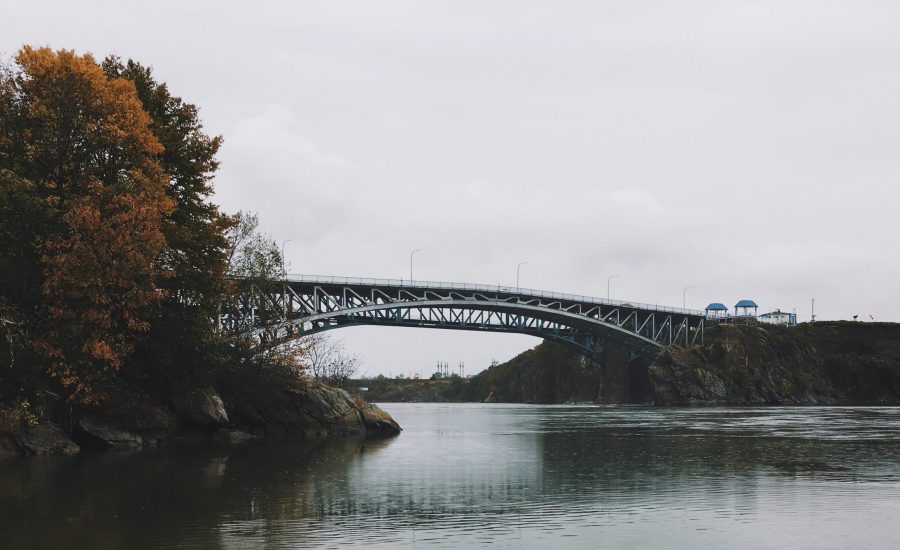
(273,136)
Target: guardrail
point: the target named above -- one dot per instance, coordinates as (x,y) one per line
(443,285)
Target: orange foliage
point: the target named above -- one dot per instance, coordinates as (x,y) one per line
(92,156)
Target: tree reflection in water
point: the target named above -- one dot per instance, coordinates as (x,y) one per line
(461,475)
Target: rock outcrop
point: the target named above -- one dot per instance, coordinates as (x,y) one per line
(673,382)
(377,422)
(201,407)
(106,433)
(46,439)
(316,411)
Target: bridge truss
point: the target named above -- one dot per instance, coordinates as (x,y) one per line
(309,304)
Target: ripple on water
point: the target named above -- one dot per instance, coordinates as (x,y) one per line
(512,476)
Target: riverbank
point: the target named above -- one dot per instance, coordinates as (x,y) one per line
(199,415)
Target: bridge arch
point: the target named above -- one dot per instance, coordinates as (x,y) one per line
(306,305)
(460,314)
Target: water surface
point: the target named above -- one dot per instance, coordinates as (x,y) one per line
(504,476)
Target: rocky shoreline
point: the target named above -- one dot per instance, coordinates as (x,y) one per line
(200,415)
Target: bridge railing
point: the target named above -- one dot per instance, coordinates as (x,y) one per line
(443,285)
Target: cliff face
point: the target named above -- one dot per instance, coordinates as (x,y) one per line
(825,363)
(552,373)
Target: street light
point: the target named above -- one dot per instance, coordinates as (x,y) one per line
(283,271)
(284,279)
(518,267)
(684,297)
(608,279)
(411,254)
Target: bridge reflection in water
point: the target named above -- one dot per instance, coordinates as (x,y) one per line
(310,304)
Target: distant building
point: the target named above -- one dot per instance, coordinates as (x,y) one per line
(745,308)
(778,317)
(716,310)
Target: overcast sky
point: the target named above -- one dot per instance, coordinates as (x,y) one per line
(749,150)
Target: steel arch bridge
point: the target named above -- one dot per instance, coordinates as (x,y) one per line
(303,305)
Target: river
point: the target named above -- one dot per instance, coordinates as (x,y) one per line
(504,476)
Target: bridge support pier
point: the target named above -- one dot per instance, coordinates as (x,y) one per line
(624,372)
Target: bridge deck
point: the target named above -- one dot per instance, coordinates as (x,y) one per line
(494,289)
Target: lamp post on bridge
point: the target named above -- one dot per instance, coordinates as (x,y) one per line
(283,271)
(284,279)
(608,279)
(684,297)
(518,267)
(411,254)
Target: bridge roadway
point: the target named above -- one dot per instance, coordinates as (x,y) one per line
(306,304)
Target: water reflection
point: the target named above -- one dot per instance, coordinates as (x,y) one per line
(169,498)
(511,476)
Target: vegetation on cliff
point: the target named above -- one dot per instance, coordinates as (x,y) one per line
(548,373)
(384,389)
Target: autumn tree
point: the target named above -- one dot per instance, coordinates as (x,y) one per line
(197,247)
(182,342)
(77,149)
(115,267)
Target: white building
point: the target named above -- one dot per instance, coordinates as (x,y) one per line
(778,317)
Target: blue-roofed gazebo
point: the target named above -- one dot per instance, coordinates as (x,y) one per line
(716,310)
(745,308)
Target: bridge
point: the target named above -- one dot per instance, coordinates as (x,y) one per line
(302,305)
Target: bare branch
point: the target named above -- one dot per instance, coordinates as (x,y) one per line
(327,360)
